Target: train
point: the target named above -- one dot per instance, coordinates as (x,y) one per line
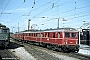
(61,39)
(85,37)
(4,36)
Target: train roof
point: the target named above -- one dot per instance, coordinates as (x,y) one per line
(52,30)
(3,26)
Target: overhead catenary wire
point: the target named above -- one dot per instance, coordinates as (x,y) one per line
(1,5)
(72,10)
(40,6)
(5,7)
(77,16)
(50,8)
(44,5)
(20,14)
(79,13)
(33,4)
(53,6)
(47,9)
(37,8)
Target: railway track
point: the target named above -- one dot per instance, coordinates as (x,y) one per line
(75,55)
(44,56)
(39,55)
(80,56)
(7,55)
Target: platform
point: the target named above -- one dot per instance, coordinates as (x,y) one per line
(84,49)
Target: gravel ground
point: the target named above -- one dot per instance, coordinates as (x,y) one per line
(5,54)
(54,55)
(32,52)
(22,54)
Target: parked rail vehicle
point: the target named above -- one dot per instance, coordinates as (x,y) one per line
(62,39)
(4,36)
(85,37)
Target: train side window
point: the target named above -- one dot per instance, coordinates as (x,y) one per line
(33,34)
(53,35)
(29,34)
(43,34)
(67,34)
(58,35)
(38,35)
(5,30)
(73,34)
(48,34)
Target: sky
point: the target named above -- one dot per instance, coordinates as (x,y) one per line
(44,13)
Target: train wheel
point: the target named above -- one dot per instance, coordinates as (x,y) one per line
(4,46)
(77,51)
(53,49)
(48,46)
(64,49)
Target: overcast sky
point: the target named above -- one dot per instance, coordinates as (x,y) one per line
(44,13)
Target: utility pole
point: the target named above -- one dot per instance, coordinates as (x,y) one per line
(79,36)
(18,27)
(29,24)
(24,0)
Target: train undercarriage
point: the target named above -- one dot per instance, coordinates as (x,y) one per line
(62,48)
(4,43)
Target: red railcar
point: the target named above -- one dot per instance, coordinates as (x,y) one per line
(62,39)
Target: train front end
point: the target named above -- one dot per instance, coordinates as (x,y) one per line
(71,41)
(4,37)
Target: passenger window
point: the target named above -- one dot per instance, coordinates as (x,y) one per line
(44,35)
(73,34)
(53,35)
(48,34)
(58,35)
(67,34)
(5,31)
